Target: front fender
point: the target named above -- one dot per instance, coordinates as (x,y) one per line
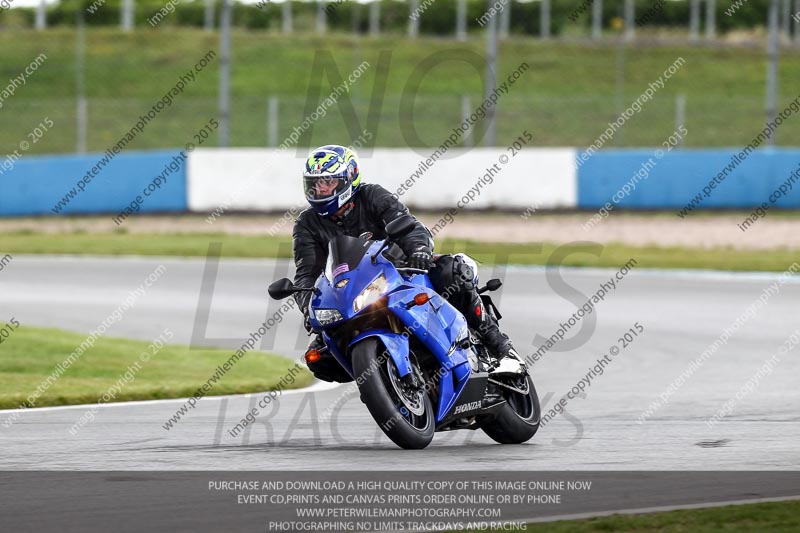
(395,343)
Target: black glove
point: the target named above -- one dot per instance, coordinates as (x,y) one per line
(421,258)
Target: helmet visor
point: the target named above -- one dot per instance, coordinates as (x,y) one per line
(323,188)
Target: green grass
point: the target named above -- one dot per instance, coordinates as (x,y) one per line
(566,98)
(29,355)
(774,517)
(581,254)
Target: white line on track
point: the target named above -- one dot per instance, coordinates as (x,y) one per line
(317,386)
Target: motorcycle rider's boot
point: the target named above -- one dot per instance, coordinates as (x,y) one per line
(497,342)
(456,281)
(510,365)
(500,346)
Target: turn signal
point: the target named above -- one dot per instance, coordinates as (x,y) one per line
(421,298)
(312,356)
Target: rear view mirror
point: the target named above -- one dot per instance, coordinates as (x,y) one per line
(494,284)
(283,288)
(400,226)
(491,285)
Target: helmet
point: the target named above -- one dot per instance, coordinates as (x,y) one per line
(331,178)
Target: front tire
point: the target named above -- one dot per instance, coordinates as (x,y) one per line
(518,420)
(374,366)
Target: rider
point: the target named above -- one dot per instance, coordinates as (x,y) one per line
(341,204)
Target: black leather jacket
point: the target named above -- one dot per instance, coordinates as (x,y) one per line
(374,208)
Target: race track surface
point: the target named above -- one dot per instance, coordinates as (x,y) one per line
(327,427)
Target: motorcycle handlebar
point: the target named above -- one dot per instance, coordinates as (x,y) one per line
(413,270)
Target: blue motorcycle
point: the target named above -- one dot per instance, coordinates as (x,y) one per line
(418,366)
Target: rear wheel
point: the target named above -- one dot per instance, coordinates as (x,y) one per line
(403,412)
(518,420)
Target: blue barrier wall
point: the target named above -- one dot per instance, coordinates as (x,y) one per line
(35,185)
(679,175)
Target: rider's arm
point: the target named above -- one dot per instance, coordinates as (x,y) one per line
(388,208)
(309,258)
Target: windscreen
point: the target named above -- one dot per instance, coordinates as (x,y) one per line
(344,254)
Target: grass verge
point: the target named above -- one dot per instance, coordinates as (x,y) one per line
(775,517)
(29,355)
(581,254)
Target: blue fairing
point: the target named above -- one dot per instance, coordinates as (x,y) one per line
(437,324)
(395,344)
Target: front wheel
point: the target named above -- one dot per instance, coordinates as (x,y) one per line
(404,413)
(518,420)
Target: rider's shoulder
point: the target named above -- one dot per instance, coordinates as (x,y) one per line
(372,190)
(306,216)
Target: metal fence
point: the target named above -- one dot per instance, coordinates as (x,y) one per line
(711,120)
(94,124)
(696,19)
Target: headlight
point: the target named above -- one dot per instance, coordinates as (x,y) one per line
(327,316)
(371,294)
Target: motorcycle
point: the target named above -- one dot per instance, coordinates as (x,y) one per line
(418,367)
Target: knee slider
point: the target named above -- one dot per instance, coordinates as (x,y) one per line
(452,276)
(463,273)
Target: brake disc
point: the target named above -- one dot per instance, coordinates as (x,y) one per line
(411,399)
